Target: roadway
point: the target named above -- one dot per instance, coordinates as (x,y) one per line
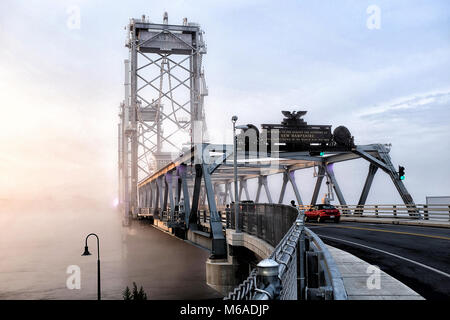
(417,256)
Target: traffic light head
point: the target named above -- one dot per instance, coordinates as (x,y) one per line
(401,172)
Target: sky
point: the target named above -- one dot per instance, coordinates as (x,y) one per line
(60,87)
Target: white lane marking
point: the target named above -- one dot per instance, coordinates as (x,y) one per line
(391,254)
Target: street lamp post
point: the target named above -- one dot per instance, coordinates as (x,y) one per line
(236,193)
(87,253)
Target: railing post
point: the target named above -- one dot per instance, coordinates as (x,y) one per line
(448,213)
(395,211)
(425,211)
(359,210)
(269,284)
(376,210)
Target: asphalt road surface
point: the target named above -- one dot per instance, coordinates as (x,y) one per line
(417,256)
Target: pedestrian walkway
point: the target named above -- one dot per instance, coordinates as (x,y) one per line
(356,272)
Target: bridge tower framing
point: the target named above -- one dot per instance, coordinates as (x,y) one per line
(162,112)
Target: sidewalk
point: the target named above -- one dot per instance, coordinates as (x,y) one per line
(355,276)
(400,221)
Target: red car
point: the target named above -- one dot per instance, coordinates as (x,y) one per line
(322,212)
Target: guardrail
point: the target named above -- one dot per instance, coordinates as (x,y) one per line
(400,211)
(300,266)
(331,273)
(270,222)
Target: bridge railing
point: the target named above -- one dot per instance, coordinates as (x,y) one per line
(304,268)
(270,222)
(400,211)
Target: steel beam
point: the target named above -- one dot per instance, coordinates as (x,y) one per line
(195,197)
(365,192)
(184,183)
(291,177)
(266,188)
(228,191)
(383,153)
(375,161)
(158,192)
(219,248)
(243,186)
(166,195)
(258,190)
(329,171)
(152,193)
(160,181)
(169,185)
(133,123)
(320,175)
(202,196)
(283,187)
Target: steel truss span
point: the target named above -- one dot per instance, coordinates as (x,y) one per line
(195,182)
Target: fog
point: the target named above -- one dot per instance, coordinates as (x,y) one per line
(40,239)
(63,189)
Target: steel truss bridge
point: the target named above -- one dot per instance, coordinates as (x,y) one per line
(169,172)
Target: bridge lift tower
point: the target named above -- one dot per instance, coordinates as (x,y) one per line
(163,106)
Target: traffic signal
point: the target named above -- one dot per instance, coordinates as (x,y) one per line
(401,173)
(316,153)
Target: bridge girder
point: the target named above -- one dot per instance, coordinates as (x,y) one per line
(286,164)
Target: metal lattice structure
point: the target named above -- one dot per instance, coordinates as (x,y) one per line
(162,112)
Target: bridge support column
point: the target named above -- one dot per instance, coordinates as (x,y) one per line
(160,192)
(150,196)
(146,196)
(283,187)
(258,191)
(243,186)
(263,181)
(141,195)
(195,197)
(169,181)
(383,161)
(320,175)
(365,192)
(291,177)
(228,192)
(329,171)
(223,275)
(219,249)
(184,183)
(177,188)
(202,196)
(166,195)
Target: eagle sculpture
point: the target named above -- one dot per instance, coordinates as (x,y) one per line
(294,115)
